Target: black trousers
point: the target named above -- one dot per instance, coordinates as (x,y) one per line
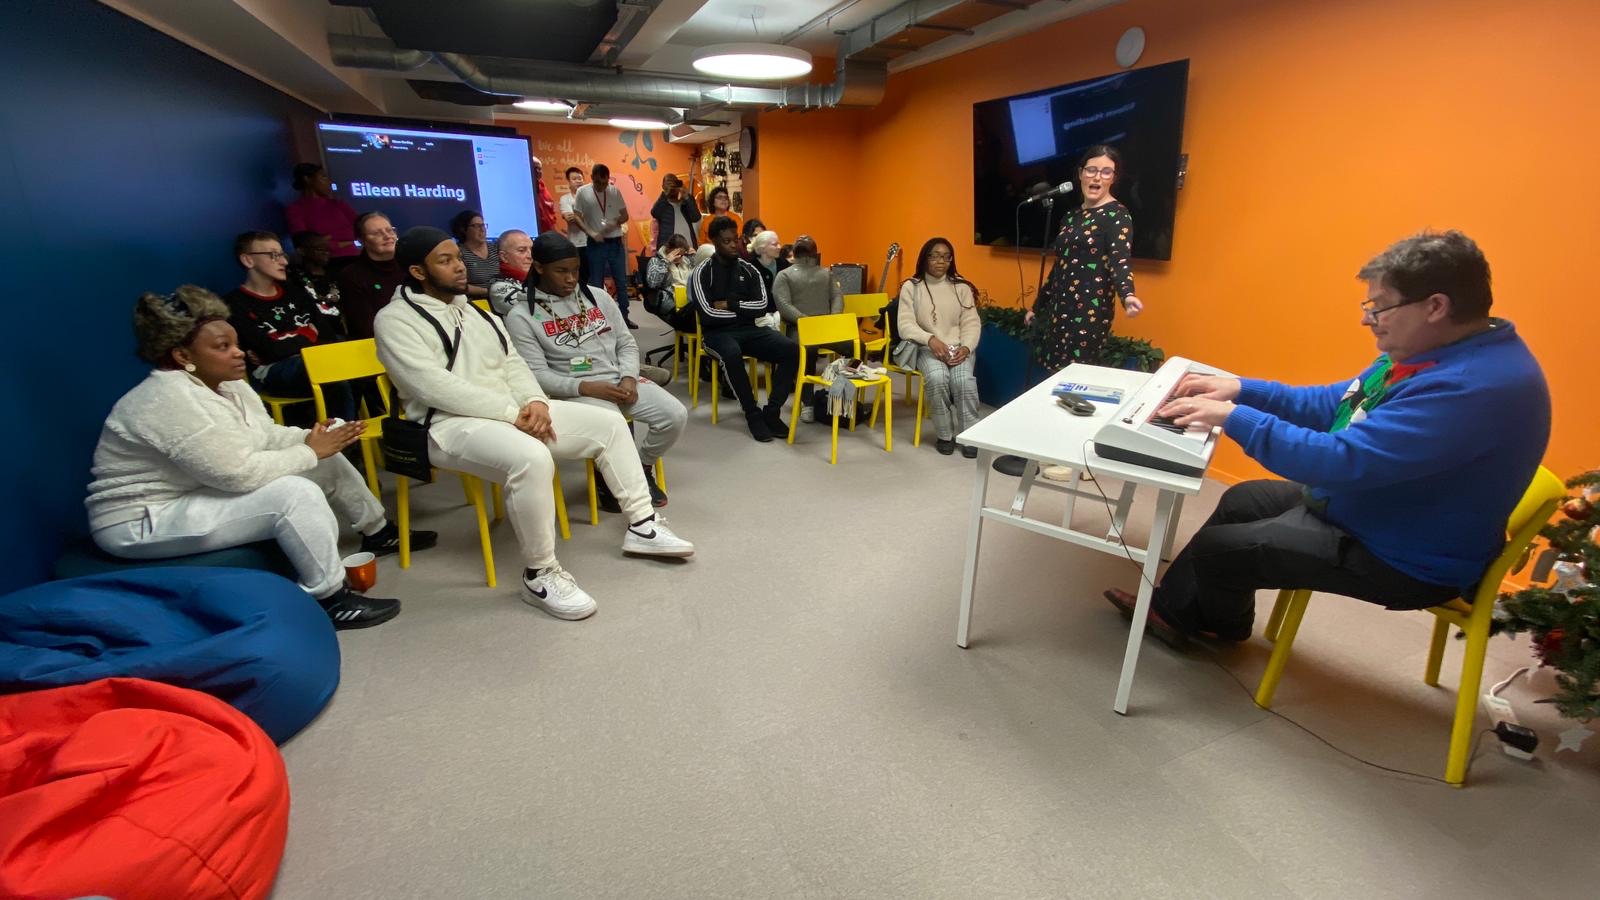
(1262,535)
(729,344)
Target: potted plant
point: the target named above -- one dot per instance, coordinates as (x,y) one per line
(1132,353)
(1002,365)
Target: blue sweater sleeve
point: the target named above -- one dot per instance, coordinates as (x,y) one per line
(1412,434)
(1309,407)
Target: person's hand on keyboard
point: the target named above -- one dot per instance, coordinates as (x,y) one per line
(1187,411)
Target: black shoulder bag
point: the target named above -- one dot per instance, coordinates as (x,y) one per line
(405,443)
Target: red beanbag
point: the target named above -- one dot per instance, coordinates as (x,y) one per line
(134,789)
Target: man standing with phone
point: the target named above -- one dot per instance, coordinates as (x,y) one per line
(602,213)
(675,212)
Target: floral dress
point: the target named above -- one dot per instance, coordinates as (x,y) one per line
(1093,268)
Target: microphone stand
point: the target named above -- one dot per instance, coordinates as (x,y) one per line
(1008,464)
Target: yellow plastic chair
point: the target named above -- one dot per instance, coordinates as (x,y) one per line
(482,304)
(686,341)
(344,361)
(891,334)
(751,372)
(818,331)
(473,486)
(1538,503)
(276,405)
(869,306)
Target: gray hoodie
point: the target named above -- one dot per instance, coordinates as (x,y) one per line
(566,340)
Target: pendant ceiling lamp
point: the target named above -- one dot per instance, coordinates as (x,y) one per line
(752,61)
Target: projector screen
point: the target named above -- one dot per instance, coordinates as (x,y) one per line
(424,176)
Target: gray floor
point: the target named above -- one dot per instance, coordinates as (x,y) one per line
(788,716)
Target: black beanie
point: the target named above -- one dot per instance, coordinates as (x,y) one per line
(551,246)
(415,245)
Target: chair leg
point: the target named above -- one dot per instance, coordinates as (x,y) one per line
(794,414)
(677,345)
(833,459)
(369,462)
(1455,769)
(561,510)
(694,377)
(886,394)
(1441,632)
(402,502)
(1280,650)
(922,393)
(474,487)
(594,494)
(1275,621)
(661,475)
(716,384)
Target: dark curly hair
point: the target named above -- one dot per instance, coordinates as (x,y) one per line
(1436,262)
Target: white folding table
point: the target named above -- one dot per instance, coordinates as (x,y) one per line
(1036,428)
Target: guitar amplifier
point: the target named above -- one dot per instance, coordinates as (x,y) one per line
(851,277)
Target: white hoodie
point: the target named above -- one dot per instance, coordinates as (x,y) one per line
(171,435)
(488,381)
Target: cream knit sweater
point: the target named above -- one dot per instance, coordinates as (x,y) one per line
(487,382)
(939,307)
(171,435)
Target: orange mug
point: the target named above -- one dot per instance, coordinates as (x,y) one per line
(361,571)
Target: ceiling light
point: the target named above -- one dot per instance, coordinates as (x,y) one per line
(543,106)
(638,124)
(752,62)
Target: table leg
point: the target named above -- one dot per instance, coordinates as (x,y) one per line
(1141,610)
(1119,514)
(969,574)
(1030,471)
(1172,530)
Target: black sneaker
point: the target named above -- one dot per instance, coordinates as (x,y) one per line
(658,497)
(387,540)
(602,492)
(969,452)
(631,323)
(944,447)
(349,609)
(758,427)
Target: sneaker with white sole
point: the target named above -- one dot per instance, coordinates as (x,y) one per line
(652,537)
(808,414)
(554,591)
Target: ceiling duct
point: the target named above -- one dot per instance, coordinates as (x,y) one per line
(860,76)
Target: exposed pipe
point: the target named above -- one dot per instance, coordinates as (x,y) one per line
(362,52)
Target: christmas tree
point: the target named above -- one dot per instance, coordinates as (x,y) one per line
(1563,617)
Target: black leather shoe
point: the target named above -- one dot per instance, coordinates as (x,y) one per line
(603,496)
(387,540)
(945,447)
(350,610)
(774,420)
(969,452)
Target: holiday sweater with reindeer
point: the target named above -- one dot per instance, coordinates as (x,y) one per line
(1422,462)
(276,327)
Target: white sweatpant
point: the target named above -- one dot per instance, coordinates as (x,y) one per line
(496,451)
(300,512)
(661,414)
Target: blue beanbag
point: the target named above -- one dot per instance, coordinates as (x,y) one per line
(253,639)
(81,557)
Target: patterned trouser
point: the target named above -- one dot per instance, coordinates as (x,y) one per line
(952,393)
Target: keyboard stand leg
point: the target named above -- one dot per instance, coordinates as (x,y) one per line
(1172,529)
(1119,516)
(1029,473)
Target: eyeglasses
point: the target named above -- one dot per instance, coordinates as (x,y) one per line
(1371,310)
(475,225)
(1092,172)
(270,254)
(940,257)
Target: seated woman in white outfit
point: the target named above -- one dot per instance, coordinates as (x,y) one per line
(939,323)
(189,461)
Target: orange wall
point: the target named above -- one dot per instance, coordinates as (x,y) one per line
(1317,132)
(635,168)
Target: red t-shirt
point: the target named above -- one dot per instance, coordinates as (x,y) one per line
(327,215)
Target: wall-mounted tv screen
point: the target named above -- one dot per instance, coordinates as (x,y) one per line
(1034,140)
(423,175)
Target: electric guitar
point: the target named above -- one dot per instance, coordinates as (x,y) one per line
(883,279)
(872,330)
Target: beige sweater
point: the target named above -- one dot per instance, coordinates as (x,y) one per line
(171,435)
(937,307)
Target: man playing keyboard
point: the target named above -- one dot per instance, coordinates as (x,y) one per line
(1398,483)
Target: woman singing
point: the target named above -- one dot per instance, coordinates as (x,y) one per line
(1092,269)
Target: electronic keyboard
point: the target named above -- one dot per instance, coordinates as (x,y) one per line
(1137,435)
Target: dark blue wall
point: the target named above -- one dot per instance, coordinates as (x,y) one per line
(127,163)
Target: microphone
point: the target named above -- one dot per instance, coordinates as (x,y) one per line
(1059,190)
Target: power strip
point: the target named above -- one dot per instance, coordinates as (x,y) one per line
(1517,741)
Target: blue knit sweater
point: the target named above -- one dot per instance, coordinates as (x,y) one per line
(1428,478)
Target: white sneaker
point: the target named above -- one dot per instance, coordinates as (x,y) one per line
(555,592)
(652,537)
(808,413)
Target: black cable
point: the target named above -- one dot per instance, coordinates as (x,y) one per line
(1212,657)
